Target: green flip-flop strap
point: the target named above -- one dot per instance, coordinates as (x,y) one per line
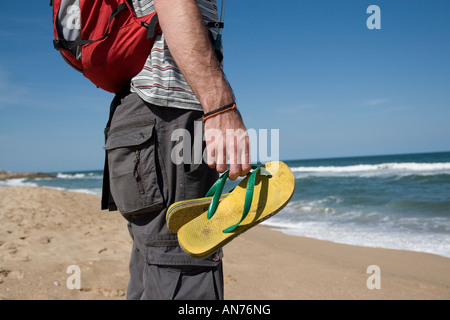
(216,184)
(216,193)
(248,199)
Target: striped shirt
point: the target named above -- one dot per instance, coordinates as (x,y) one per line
(161,82)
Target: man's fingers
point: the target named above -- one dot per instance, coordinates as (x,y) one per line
(228,143)
(245,157)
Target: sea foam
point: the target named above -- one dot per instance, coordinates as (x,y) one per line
(370,170)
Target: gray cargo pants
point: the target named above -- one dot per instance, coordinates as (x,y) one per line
(143,183)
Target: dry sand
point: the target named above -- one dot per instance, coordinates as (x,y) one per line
(44,231)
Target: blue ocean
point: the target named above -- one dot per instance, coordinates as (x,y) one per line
(393,201)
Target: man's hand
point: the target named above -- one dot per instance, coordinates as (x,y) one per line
(227,140)
(186,36)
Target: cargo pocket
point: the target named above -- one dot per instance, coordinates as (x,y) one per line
(172,274)
(134,184)
(164,250)
(168,283)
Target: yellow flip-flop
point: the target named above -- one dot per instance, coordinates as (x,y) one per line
(258,197)
(182,212)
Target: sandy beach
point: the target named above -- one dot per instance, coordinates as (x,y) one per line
(45,231)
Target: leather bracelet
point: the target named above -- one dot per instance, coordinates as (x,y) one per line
(216,112)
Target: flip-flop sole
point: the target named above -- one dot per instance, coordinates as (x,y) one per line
(201,237)
(182,212)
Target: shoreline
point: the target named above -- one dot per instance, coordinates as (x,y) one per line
(280,229)
(266,224)
(43,231)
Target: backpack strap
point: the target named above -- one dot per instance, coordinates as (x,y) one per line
(216,43)
(151,26)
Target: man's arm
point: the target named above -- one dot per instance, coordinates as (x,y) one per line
(190,46)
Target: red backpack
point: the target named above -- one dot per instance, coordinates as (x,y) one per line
(103,39)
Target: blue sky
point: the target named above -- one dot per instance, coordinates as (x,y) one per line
(311,69)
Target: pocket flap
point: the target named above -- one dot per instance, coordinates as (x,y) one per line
(164,250)
(129,137)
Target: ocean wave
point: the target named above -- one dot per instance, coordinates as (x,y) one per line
(435,243)
(319,206)
(70,176)
(89,175)
(370,170)
(431,216)
(23,183)
(17,183)
(95,192)
(329,218)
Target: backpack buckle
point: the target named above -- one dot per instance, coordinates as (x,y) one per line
(57,45)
